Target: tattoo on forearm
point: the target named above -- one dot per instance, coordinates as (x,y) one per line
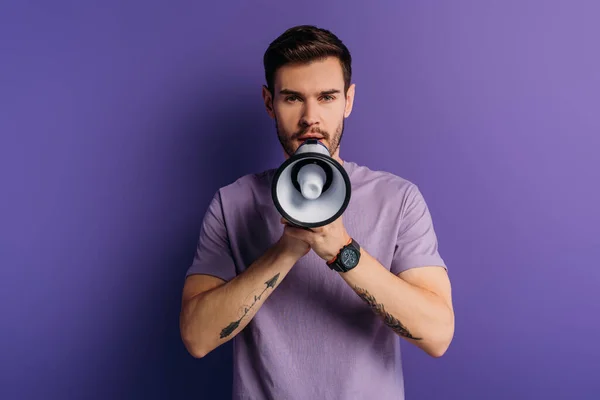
(388,318)
(233,326)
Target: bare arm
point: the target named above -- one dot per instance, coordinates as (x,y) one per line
(416,304)
(213,312)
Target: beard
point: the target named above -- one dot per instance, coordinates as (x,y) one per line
(288,142)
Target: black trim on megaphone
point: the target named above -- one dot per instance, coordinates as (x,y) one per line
(321,158)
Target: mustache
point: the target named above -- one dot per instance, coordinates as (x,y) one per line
(308,130)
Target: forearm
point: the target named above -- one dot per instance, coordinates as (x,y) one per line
(416,314)
(216,316)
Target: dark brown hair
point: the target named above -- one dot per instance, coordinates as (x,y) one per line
(302,44)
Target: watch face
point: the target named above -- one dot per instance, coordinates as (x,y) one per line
(349,258)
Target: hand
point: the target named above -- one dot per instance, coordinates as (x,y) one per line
(292,246)
(326,241)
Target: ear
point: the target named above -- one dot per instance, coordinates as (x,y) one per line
(268,99)
(349,100)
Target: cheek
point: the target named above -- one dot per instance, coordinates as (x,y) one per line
(332,123)
(335,112)
(288,116)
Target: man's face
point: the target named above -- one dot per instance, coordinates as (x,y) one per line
(308,101)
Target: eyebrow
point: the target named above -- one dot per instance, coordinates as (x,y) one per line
(323,93)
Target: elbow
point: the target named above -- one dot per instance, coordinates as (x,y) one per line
(440,345)
(434,346)
(438,350)
(192,341)
(197,352)
(194,347)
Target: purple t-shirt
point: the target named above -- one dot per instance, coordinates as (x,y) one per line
(314,338)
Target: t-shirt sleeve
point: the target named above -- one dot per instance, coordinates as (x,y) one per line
(416,244)
(213,252)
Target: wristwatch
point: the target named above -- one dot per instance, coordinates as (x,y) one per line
(347,258)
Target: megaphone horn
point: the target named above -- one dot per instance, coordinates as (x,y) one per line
(311,189)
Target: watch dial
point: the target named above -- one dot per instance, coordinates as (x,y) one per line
(349,258)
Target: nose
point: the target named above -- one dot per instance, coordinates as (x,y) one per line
(310,115)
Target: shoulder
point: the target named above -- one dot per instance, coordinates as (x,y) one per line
(390,194)
(382,182)
(248,186)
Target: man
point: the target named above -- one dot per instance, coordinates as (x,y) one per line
(304,325)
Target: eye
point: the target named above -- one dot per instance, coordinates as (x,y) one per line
(292,98)
(328,97)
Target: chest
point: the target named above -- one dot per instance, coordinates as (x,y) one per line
(372,224)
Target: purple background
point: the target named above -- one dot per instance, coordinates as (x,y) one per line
(119,120)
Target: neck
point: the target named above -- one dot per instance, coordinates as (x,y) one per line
(336,156)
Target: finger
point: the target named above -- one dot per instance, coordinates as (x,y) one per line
(293,230)
(297,233)
(288,230)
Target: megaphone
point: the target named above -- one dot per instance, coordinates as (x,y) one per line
(311,189)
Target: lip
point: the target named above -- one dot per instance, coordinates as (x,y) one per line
(306,137)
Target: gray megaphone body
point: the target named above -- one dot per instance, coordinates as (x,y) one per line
(311,189)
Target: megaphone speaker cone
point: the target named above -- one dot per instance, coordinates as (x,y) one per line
(311,179)
(311,189)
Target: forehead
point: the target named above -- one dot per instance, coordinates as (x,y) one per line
(315,76)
